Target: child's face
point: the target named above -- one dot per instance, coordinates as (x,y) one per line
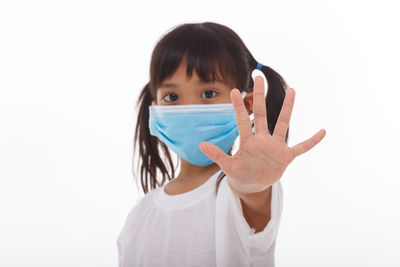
(193,91)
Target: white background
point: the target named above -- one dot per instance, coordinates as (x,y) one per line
(70,74)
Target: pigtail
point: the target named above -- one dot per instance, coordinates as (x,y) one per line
(277,87)
(148,147)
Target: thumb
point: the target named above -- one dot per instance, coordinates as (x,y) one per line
(215,154)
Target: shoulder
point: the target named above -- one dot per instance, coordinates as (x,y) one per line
(143,203)
(148,197)
(133,219)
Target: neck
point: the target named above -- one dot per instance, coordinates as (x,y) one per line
(192,173)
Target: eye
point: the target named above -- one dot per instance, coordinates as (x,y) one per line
(174,98)
(209,92)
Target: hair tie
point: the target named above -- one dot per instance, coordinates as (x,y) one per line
(259,65)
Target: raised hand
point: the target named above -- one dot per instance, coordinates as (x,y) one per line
(262,158)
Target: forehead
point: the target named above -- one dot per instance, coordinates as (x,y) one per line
(181,77)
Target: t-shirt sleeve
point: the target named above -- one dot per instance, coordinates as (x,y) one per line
(262,242)
(129,220)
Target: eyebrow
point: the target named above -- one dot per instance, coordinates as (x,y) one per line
(174,85)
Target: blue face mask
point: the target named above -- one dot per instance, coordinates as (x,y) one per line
(183,128)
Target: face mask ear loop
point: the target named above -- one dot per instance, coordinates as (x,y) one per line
(243,94)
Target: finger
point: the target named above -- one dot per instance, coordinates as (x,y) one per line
(282,124)
(242,116)
(217,155)
(259,108)
(308,144)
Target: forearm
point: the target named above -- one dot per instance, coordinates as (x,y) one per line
(257,208)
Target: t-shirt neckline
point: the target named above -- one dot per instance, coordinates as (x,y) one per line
(166,201)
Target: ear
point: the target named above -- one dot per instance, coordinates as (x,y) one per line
(248,102)
(153,103)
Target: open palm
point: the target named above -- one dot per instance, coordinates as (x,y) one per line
(262,158)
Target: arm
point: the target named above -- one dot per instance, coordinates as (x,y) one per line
(257,240)
(257,208)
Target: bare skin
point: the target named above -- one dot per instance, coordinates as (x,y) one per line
(188,92)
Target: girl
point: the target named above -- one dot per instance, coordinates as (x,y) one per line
(197,218)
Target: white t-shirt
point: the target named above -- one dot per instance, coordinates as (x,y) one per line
(197,228)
